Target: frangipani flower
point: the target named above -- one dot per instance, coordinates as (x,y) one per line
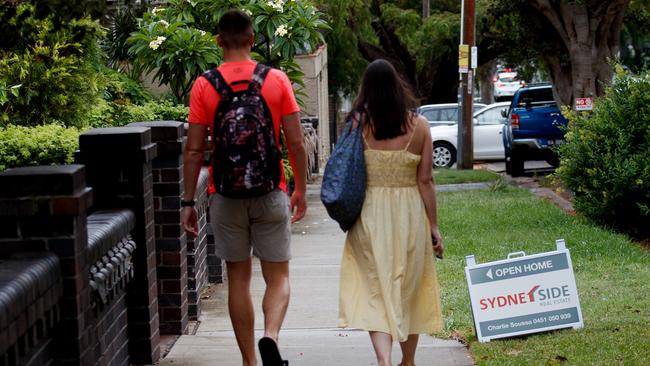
(276,4)
(155,44)
(282,30)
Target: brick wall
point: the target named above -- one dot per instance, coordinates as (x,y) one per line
(171,240)
(119,169)
(47,208)
(197,250)
(111,327)
(138,170)
(214,263)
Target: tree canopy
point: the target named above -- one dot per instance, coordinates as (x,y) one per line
(574,42)
(424,51)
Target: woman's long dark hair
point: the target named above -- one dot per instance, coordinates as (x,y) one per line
(385,101)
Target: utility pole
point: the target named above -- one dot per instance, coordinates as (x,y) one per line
(466,108)
(426,9)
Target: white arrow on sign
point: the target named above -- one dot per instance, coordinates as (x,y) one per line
(489,273)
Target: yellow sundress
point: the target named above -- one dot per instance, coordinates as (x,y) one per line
(388,277)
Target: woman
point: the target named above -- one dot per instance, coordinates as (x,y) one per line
(388,279)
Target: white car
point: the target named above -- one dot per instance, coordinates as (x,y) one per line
(443,114)
(506,85)
(487,137)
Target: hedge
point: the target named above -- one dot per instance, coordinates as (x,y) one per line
(41,145)
(606,160)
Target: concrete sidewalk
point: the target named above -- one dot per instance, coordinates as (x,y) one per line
(309,336)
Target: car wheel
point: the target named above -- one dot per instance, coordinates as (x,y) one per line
(444,155)
(516,166)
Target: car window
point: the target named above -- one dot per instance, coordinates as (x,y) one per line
(491,117)
(508,80)
(431,114)
(508,77)
(537,97)
(478,107)
(449,114)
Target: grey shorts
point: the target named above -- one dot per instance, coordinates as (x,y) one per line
(260,225)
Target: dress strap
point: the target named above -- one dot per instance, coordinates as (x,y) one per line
(410,138)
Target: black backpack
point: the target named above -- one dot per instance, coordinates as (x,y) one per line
(246,156)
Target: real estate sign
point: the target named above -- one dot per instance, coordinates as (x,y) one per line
(523,294)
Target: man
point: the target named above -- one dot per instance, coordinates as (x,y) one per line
(244,216)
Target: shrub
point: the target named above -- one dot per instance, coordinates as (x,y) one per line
(112,114)
(121,89)
(177,42)
(115,44)
(42,145)
(606,159)
(54,61)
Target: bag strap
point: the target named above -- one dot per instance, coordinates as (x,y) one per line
(358,117)
(259,76)
(218,82)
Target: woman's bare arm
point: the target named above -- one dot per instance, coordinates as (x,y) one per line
(425,182)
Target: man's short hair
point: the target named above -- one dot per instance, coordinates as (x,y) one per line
(235,28)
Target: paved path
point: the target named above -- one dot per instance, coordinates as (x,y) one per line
(309,336)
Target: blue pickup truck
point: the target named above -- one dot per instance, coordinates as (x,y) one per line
(534,126)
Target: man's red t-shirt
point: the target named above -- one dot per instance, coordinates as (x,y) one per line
(277,93)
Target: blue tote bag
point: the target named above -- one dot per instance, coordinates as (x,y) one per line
(344,181)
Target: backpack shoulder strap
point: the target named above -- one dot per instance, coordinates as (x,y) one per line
(218,82)
(259,75)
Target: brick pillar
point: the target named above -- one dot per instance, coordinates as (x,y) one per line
(171,241)
(44,209)
(119,164)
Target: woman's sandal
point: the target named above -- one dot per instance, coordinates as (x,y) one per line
(270,353)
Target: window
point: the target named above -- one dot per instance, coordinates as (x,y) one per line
(508,80)
(491,117)
(449,114)
(478,107)
(537,97)
(431,114)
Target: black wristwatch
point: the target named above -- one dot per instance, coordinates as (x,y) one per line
(188,203)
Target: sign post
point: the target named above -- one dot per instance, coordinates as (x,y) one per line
(523,294)
(465,145)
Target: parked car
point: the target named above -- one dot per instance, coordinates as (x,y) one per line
(534,126)
(506,83)
(443,114)
(487,139)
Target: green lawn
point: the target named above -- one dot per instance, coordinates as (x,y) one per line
(454,176)
(612,275)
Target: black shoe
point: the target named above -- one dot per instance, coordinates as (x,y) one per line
(270,353)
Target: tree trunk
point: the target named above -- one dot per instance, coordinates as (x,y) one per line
(484,75)
(562,78)
(591,36)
